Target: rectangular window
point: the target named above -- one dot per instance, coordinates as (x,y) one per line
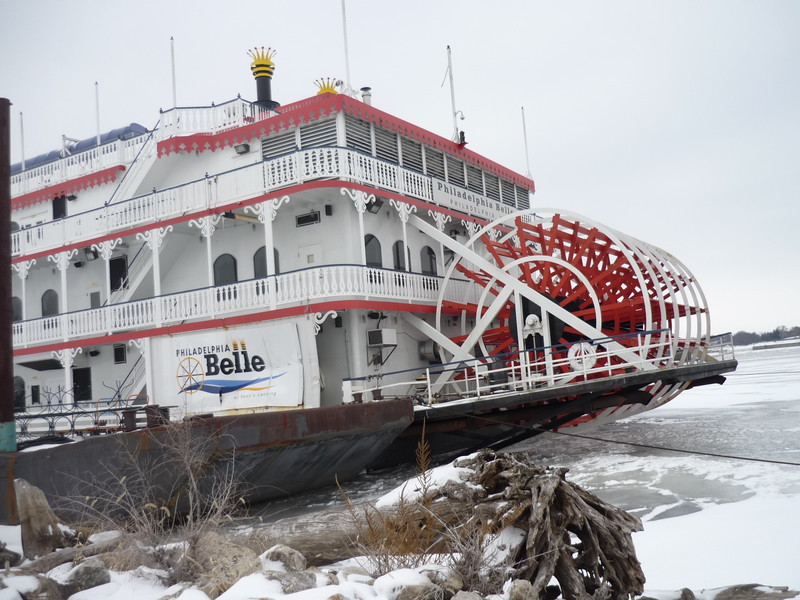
(474,179)
(94,299)
(318,134)
(120,354)
(455,172)
(386,144)
(35,398)
(358,134)
(434,163)
(278,144)
(412,154)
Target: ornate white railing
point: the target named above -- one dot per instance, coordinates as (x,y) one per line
(551,366)
(222,189)
(184,121)
(118,152)
(292,289)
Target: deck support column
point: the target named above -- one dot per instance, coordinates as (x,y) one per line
(22,269)
(154,239)
(207,226)
(266,213)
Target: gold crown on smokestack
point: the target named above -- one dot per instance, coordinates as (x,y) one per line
(326,85)
(262,65)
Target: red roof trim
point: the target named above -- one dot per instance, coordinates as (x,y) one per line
(67,187)
(325,105)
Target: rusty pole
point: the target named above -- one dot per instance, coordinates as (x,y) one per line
(8,433)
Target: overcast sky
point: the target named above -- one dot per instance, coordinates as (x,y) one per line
(677,122)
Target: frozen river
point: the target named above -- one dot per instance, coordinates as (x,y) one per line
(708,521)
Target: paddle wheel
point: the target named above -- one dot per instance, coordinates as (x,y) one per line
(554,298)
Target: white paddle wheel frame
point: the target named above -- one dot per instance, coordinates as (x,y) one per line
(626,307)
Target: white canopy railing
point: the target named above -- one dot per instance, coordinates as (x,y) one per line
(219,190)
(292,289)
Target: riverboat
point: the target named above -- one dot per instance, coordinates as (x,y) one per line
(257,263)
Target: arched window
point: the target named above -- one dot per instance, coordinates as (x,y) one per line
(19,394)
(16,309)
(373,247)
(401,259)
(260,262)
(49,303)
(427,261)
(225,270)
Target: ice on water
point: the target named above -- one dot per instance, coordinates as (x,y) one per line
(708,521)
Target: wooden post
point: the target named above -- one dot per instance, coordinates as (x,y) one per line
(8,432)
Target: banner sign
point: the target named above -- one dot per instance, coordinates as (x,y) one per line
(468,202)
(230,369)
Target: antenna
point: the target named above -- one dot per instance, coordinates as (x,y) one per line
(456,135)
(97,109)
(174,86)
(22,140)
(349,88)
(525,137)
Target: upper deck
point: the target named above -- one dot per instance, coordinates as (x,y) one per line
(327,137)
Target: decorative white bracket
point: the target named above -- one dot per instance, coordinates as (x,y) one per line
(106,248)
(360,198)
(155,237)
(206,225)
(62,258)
(267,208)
(320,318)
(23,267)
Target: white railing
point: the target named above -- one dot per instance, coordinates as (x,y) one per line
(209,119)
(222,189)
(512,373)
(292,289)
(118,152)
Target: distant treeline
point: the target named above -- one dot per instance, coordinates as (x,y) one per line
(743,338)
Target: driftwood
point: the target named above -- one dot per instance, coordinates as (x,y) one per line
(570,534)
(65,555)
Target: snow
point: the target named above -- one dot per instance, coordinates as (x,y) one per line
(708,522)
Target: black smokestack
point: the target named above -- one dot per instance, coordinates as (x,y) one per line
(263,68)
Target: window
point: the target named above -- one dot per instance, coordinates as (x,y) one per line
(120,354)
(118,270)
(49,303)
(400,262)
(19,394)
(373,248)
(260,262)
(225,270)
(59,207)
(16,309)
(427,261)
(94,300)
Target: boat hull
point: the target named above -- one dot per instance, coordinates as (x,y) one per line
(271,454)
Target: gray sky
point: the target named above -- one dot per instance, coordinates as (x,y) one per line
(676,122)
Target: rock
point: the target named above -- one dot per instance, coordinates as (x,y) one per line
(90,573)
(462,595)
(222,562)
(33,587)
(755,591)
(41,529)
(291,558)
(354,573)
(521,589)
(8,558)
(420,591)
(686,594)
(297,581)
(448,580)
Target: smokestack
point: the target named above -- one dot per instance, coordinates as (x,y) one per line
(263,68)
(366,95)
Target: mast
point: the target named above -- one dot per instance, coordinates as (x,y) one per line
(452,93)
(174,85)
(525,138)
(349,89)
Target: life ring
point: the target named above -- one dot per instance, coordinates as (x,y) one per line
(582,356)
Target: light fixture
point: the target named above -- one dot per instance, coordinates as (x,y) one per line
(78,264)
(241,148)
(375,206)
(91,253)
(72,197)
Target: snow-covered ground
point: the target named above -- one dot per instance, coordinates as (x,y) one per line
(709,522)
